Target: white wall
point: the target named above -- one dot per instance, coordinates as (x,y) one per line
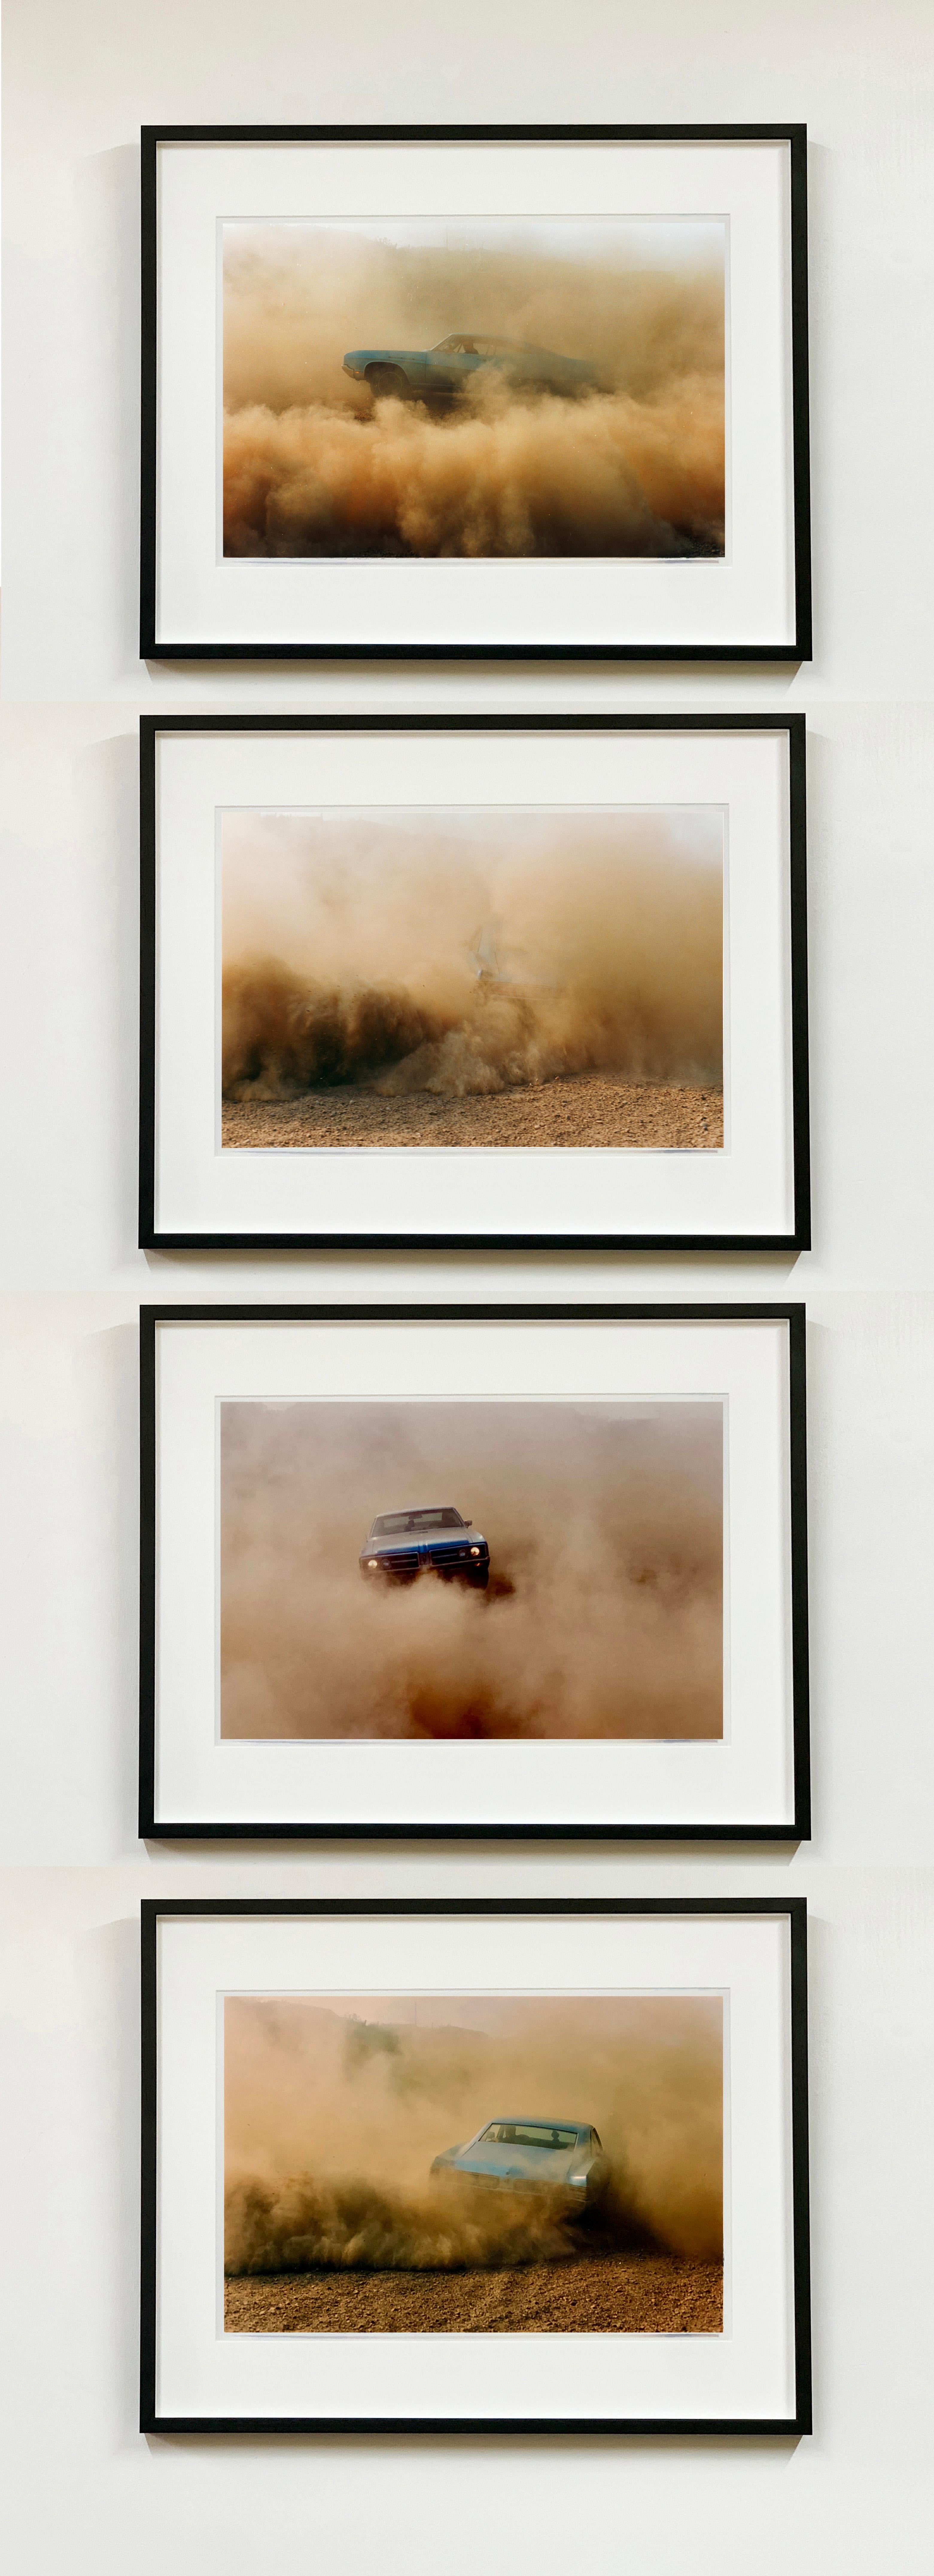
(81,2489)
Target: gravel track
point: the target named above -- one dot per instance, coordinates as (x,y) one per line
(590,2294)
(579,1109)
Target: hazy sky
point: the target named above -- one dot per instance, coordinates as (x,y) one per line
(667,241)
(505,2013)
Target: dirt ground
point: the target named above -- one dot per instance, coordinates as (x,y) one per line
(580,1109)
(590,2294)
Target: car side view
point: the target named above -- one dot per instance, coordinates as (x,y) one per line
(426,1538)
(563,2158)
(443,374)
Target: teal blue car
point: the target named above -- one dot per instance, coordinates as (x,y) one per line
(443,374)
(562,2158)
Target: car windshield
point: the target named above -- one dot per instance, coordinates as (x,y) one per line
(441,1516)
(527,2133)
(477,344)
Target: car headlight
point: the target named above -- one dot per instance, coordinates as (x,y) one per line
(372,1564)
(475,1551)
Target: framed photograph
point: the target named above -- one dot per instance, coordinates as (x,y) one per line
(518,2167)
(475,392)
(453,981)
(478,1572)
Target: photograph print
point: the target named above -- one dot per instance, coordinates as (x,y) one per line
(473,2164)
(437,982)
(504,1570)
(523,388)
(477,976)
(471,1572)
(479,2165)
(483,393)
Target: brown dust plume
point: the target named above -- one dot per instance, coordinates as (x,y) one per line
(470,953)
(604,1613)
(336,2106)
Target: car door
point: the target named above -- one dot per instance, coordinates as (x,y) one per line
(452,365)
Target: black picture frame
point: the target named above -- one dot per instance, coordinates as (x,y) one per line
(793,1908)
(788,1831)
(154,649)
(152,1239)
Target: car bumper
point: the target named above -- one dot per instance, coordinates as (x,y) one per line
(566,2196)
(476,1571)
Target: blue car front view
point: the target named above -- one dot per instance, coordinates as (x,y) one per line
(425,1538)
(563,2158)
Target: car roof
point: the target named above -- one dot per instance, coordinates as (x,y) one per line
(527,347)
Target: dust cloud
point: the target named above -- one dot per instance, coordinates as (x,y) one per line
(462,954)
(335,2107)
(604,1613)
(633,466)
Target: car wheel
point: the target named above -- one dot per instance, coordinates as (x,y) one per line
(387,380)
